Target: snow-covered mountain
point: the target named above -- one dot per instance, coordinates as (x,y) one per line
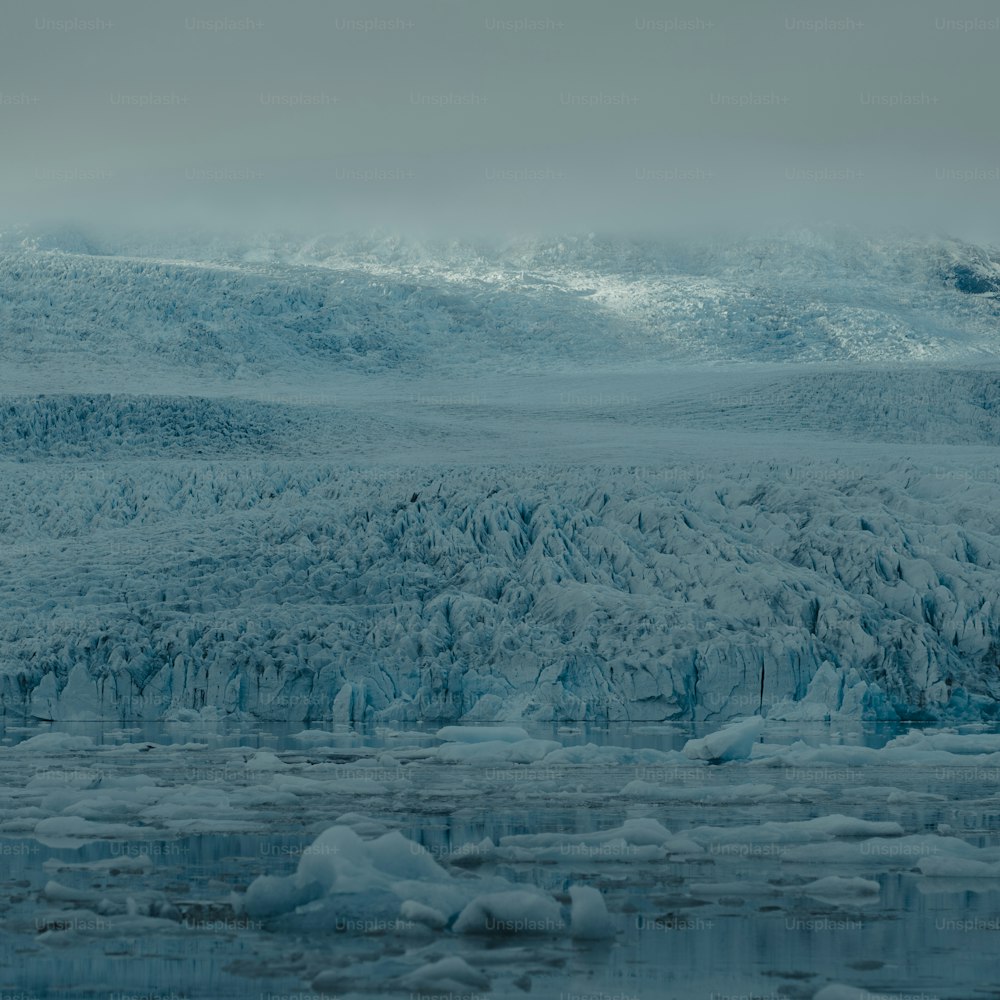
(366,478)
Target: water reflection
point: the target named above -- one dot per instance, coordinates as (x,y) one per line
(726,924)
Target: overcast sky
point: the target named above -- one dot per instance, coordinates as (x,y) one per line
(469,115)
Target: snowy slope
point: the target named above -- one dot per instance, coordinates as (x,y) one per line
(385,306)
(371,478)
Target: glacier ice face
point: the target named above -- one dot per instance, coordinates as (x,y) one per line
(316,593)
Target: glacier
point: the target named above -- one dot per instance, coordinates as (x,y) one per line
(369,480)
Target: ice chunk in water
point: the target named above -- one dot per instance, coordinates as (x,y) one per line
(732,743)
(589,919)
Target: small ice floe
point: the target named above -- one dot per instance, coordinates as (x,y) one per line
(837,887)
(734,742)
